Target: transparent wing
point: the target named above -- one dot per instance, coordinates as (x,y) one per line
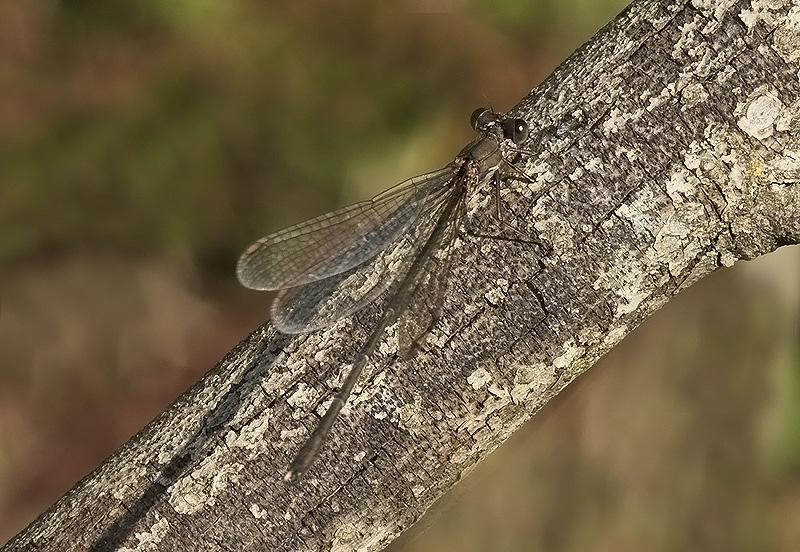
(336,242)
(322,302)
(318,304)
(426,297)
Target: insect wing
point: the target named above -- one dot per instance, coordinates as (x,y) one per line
(320,303)
(336,242)
(427,295)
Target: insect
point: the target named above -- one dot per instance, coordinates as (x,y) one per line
(393,246)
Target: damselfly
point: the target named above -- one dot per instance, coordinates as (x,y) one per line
(395,246)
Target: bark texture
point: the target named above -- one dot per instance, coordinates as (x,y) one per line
(665,148)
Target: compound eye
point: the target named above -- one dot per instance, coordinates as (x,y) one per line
(517,130)
(476,118)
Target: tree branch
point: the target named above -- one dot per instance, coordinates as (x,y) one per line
(665,148)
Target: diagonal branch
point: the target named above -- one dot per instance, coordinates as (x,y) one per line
(665,148)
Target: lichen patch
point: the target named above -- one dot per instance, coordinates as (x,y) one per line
(761,111)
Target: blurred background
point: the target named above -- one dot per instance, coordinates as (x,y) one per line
(144,144)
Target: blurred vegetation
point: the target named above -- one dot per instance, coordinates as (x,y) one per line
(182,126)
(144,143)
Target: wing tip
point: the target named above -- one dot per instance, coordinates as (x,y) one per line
(246,272)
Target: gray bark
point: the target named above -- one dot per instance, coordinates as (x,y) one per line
(665,148)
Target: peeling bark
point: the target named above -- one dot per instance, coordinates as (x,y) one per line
(665,148)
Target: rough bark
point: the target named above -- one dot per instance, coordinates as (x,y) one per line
(667,147)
